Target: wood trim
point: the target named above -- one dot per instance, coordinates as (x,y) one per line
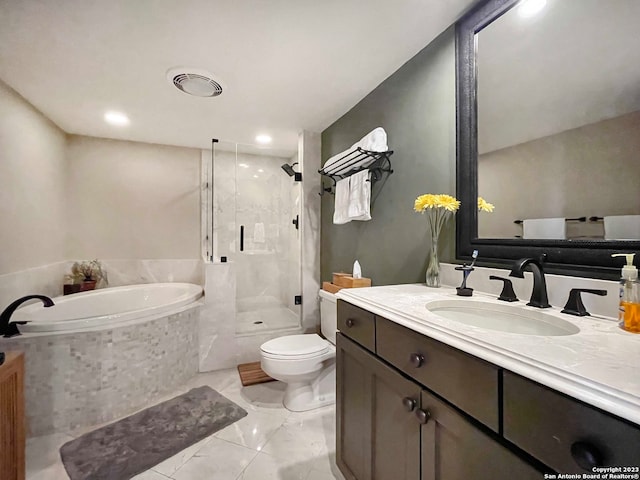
(12,423)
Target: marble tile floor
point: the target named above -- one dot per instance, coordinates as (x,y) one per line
(270,443)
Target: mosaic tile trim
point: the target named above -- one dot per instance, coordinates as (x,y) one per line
(82,379)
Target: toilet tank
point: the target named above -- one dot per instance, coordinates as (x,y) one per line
(328,315)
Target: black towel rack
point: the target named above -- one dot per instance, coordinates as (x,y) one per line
(356,161)
(577,219)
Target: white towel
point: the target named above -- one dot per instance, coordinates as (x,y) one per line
(341,208)
(258,233)
(375,141)
(359,196)
(622,227)
(545,228)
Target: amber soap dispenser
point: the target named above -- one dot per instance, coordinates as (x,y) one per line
(629,314)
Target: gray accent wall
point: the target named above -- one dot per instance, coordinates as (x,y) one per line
(416,106)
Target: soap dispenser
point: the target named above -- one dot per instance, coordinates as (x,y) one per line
(629,314)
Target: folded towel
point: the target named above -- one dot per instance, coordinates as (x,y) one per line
(545,228)
(341,208)
(622,227)
(258,233)
(359,196)
(375,141)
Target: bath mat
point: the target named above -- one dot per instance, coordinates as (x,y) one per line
(252,373)
(134,444)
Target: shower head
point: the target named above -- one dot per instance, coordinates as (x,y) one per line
(289,169)
(291,172)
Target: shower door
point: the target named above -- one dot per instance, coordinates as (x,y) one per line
(267,243)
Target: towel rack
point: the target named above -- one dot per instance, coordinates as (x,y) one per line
(356,161)
(577,219)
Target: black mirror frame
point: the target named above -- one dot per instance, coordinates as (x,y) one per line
(579,258)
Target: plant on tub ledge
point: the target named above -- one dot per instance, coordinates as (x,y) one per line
(85,275)
(439,208)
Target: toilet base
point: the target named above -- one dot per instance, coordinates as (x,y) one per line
(303,396)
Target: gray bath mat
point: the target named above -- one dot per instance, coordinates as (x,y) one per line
(134,444)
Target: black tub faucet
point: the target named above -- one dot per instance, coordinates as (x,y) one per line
(10,329)
(539,294)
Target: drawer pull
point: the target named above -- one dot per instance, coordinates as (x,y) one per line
(409,403)
(416,359)
(350,323)
(586,456)
(423,416)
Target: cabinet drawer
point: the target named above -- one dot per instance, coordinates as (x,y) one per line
(549,425)
(467,382)
(357,324)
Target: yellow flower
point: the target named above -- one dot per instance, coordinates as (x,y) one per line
(485,206)
(430,200)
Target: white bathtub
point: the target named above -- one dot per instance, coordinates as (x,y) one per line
(106,307)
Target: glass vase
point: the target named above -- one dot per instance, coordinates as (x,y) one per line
(433,265)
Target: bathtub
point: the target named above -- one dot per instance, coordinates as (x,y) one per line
(99,355)
(106,307)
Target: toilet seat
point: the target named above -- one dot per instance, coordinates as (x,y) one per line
(295,347)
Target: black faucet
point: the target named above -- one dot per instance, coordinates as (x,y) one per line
(539,294)
(10,329)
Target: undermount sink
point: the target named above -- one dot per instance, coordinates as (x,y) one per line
(503,318)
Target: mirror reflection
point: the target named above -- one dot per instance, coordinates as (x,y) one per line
(558,102)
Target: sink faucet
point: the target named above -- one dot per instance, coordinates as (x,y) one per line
(10,329)
(539,294)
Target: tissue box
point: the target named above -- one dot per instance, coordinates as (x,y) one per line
(347,281)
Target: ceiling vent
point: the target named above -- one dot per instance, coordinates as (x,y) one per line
(195,82)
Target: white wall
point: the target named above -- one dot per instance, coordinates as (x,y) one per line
(32,186)
(129,200)
(587,171)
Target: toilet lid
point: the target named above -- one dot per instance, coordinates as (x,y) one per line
(295,345)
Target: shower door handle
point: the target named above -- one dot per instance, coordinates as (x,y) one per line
(241,238)
(296,222)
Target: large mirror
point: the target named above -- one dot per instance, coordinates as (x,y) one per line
(549,132)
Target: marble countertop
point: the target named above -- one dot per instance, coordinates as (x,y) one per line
(600,365)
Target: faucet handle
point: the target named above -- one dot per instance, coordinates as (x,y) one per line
(574,304)
(507,294)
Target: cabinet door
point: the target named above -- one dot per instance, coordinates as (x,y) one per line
(378,432)
(454,449)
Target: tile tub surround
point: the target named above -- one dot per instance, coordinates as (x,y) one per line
(87,377)
(45,280)
(598,365)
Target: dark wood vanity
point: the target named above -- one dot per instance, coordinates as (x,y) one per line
(411,407)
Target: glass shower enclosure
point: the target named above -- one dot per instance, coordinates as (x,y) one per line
(256,225)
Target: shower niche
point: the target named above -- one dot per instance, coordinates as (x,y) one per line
(256,225)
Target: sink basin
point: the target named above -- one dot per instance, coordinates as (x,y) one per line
(503,318)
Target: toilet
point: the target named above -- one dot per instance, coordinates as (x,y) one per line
(306,363)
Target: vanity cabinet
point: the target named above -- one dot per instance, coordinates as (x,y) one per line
(410,407)
(391,427)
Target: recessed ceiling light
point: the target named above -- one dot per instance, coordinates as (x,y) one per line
(529,8)
(243,165)
(118,119)
(260,170)
(264,139)
(255,176)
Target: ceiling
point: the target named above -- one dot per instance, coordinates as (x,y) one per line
(286,65)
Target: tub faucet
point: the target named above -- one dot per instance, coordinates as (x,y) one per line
(539,294)
(10,329)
